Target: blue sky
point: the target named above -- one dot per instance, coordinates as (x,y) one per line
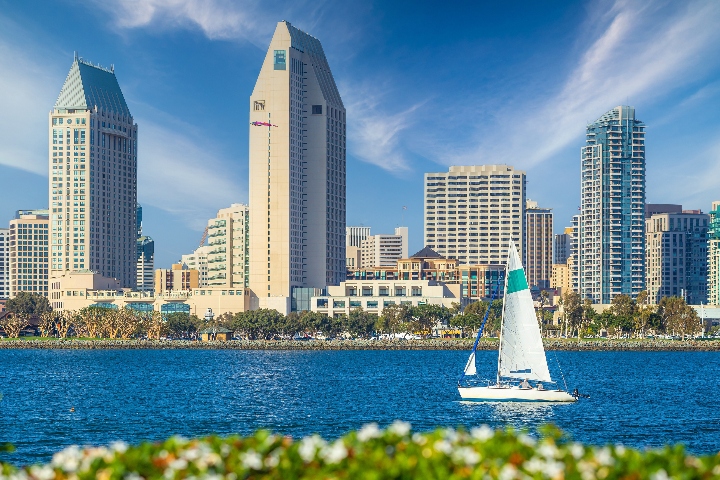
(425,85)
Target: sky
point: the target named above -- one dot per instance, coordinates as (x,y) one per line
(426,85)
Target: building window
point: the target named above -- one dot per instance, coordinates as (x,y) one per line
(317,109)
(279,59)
(259,105)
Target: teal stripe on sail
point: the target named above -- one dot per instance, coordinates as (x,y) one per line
(516,281)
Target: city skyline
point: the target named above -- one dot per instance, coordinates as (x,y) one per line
(399,125)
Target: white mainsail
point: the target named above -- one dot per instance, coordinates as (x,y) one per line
(522,354)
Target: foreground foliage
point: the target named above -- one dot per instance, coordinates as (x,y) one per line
(371,452)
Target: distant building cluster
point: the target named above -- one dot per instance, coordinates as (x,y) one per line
(290,249)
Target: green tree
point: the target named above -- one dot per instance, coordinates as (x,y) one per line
(180,324)
(572,311)
(679,317)
(28,303)
(360,323)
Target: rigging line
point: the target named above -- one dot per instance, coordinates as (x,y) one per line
(561,372)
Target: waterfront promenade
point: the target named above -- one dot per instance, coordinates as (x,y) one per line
(590,344)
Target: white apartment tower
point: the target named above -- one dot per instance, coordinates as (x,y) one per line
(93,176)
(384,250)
(227,256)
(472,212)
(297,170)
(4,263)
(612,224)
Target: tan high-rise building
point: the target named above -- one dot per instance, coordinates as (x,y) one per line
(538,245)
(472,212)
(4,263)
(297,171)
(198,261)
(177,278)
(28,252)
(93,177)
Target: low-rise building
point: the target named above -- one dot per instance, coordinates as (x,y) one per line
(79,289)
(375,295)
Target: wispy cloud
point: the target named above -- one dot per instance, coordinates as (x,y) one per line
(182,175)
(216,19)
(374,133)
(638,55)
(26,91)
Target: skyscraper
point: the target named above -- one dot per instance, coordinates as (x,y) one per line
(472,212)
(93,176)
(355,235)
(612,227)
(297,170)
(561,246)
(538,245)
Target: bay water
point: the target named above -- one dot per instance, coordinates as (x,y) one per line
(56,398)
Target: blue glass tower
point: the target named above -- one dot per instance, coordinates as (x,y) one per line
(612,229)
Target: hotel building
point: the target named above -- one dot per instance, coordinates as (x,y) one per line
(384,250)
(93,176)
(297,172)
(472,212)
(612,229)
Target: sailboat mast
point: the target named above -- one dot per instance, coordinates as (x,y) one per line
(502,317)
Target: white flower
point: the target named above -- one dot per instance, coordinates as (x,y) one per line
(178,464)
(553,469)
(369,431)
(419,438)
(466,455)
(251,460)
(68,459)
(507,472)
(577,450)
(526,440)
(450,435)
(660,475)
(534,465)
(400,428)
(335,453)
(604,457)
(119,447)
(272,460)
(620,450)
(309,446)
(443,446)
(548,450)
(44,472)
(482,433)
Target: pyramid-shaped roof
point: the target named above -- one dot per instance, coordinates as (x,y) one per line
(88,85)
(427,252)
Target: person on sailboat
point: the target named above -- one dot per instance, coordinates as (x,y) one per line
(540,386)
(525,384)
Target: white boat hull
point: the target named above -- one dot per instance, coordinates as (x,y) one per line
(506,393)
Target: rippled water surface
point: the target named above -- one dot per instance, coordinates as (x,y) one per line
(641,399)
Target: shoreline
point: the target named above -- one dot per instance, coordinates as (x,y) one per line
(323,345)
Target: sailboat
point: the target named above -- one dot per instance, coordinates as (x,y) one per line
(521,356)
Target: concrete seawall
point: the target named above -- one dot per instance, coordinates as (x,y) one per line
(430,344)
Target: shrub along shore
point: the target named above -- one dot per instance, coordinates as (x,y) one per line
(591,344)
